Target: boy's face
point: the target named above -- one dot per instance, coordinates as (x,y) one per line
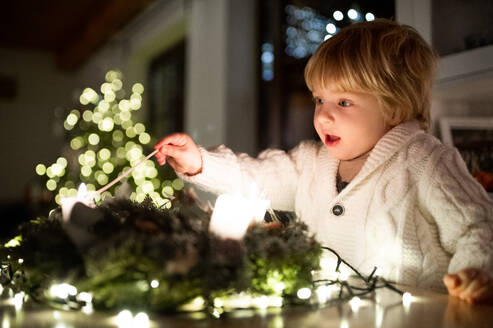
(348,123)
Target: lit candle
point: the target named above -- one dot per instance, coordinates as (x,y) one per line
(69,202)
(233,214)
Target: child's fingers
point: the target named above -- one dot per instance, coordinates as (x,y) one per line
(165,141)
(458,282)
(480,288)
(482,294)
(160,155)
(471,289)
(169,151)
(161,159)
(179,151)
(178,139)
(452,281)
(467,276)
(470,284)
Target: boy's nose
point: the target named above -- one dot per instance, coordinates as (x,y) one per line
(326,114)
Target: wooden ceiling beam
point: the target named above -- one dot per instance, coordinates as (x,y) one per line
(98,29)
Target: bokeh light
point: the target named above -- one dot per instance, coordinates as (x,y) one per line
(106,124)
(93,139)
(353,14)
(51,185)
(338,15)
(104,154)
(144,138)
(108,168)
(87,116)
(138,88)
(40,169)
(117,135)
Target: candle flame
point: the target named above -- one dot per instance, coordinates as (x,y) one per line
(69,202)
(82,191)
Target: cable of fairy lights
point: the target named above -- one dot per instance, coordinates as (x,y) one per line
(372,282)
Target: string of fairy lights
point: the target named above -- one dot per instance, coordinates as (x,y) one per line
(65,296)
(104,141)
(305,30)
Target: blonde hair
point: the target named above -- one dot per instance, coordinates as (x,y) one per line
(383,58)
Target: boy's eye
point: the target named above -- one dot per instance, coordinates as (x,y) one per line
(317,101)
(344,103)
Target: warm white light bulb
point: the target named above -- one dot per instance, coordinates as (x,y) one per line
(279,287)
(87,309)
(18,300)
(261,302)
(323,294)
(407,298)
(331,28)
(141,320)
(84,297)
(124,319)
(338,15)
(353,14)
(304,293)
(275,301)
(355,303)
(72,290)
(344,323)
(369,17)
(59,291)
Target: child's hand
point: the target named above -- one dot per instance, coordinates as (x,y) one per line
(472,285)
(181,152)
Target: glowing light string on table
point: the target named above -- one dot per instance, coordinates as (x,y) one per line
(372,282)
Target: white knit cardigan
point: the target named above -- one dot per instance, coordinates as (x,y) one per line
(413,210)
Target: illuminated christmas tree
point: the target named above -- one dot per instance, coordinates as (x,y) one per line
(104,140)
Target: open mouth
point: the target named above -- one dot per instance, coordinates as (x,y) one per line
(331,140)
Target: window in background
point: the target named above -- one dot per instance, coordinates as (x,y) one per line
(459,25)
(290,31)
(166,91)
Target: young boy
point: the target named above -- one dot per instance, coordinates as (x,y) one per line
(378,189)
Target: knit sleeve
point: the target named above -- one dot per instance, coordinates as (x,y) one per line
(463,213)
(274,173)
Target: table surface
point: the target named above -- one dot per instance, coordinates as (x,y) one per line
(428,309)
